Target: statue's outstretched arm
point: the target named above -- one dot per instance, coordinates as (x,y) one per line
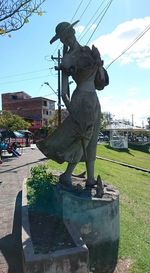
(64,94)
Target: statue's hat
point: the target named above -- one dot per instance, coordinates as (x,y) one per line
(61,28)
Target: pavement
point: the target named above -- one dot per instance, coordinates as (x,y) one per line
(12,173)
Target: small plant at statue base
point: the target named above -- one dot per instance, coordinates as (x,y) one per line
(40,189)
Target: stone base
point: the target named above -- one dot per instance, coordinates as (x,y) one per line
(93,224)
(71,260)
(97,219)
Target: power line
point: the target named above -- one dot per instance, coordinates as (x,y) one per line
(25,73)
(106,9)
(75,15)
(85,9)
(77,10)
(24,80)
(89,2)
(78,7)
(126,49)
(88,26)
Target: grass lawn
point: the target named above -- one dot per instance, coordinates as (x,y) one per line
(134,188)
(137,155)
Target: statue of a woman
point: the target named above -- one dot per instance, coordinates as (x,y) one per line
(75,139)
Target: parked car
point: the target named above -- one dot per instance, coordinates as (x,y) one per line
(102,137)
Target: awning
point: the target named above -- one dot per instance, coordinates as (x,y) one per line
(11,134)
(25,132)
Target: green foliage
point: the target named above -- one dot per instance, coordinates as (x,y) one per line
(15,13)
(40,188)
(12,122)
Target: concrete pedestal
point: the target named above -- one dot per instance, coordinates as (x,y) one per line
(73,259)
(97,219)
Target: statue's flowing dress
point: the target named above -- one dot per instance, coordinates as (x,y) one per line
(76,138)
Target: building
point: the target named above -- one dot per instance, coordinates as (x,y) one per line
(35,110)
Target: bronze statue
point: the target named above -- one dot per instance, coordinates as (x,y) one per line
(75,139)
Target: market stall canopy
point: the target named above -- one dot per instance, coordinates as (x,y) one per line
(11,134)
(25,132)
(125,127)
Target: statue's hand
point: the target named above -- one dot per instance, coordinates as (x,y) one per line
(66,101)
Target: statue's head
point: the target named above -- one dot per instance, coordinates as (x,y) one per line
(63,29)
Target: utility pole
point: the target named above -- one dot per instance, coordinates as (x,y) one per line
(60,76)
(59,85)
(132,120)
(59,91)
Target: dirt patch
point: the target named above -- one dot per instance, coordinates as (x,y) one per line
(48,233)
(123,266)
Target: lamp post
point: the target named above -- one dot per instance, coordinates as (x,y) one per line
(58,95)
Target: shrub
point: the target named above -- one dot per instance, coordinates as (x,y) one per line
(40,189)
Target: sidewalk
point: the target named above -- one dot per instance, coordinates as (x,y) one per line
(12,172)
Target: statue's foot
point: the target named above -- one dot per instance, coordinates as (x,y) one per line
(100,187)
(81,175)
(65,180)
(90,183)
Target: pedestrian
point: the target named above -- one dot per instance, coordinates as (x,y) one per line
(12,148)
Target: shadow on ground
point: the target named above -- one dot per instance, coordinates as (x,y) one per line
(10,245)
(20,166)
(119,150)
(142,148)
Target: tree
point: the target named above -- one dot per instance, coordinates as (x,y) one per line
(148,120)
(15,13)
(106,119)
(12,122)
(53,121)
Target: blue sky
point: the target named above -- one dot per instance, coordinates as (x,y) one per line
(25,58)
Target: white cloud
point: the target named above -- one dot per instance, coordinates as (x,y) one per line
(111,45)
(132,92)
(139,108)
(93,26)
(82,30)
(79,29)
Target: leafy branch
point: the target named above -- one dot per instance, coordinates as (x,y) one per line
(14,14)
